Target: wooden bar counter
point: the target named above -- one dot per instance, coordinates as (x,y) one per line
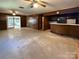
(65,29)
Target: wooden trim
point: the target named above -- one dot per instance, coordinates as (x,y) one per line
(3,18)
(70,30)
(64,11)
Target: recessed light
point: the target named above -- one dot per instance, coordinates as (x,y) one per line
(14,14)
(57,12)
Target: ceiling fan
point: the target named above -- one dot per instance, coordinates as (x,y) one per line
(35,3)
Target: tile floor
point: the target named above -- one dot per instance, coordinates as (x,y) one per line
(28,43)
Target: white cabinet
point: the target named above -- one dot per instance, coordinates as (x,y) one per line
(71,21)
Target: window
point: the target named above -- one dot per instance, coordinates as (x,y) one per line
(13,22)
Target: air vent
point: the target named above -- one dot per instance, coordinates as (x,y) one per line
(21,7)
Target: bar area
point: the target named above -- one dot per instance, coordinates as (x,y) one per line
(64,22)
(66,25)
(65,29)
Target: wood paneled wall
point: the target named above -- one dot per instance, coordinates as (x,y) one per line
(39,20)
(68,13)
(45,22)
(64,11)
(38,23)
(23,21)
(77,19)
(70,30)
(32,22)
(3,21)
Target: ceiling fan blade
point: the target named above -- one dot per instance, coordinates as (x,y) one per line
(27,0)
(31,5)
(47,3)
(41,4)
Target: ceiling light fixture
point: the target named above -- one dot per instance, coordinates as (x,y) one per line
(57,12)
(35,5)
(13,12)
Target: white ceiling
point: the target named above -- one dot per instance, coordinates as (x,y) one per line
(7,5)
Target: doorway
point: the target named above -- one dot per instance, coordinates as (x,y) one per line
(13,22)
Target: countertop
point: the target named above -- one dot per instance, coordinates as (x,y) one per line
(63,24)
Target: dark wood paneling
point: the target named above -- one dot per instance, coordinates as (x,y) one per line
(70,10)
(46,24)
(74,31)
(31,24)
(77,19)
(70,30)
(38,23)
(23,21)
(64,11)
(65,17)
(3,21)
(60,29)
